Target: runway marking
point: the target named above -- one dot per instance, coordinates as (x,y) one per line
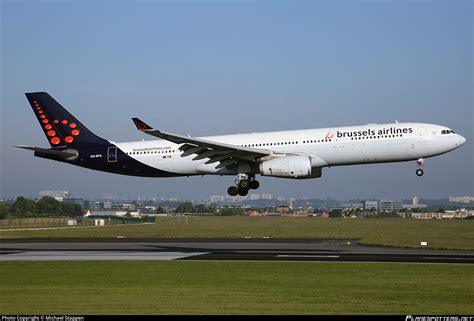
(315,256)
(447,258)
(95,255)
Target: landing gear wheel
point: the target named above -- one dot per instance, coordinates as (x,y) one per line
(419,172)
(243,192)
(244,184)
(254,184)
(233,191)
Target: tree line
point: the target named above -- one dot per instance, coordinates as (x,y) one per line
(46,206)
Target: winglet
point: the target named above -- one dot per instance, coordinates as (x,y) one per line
(141,125)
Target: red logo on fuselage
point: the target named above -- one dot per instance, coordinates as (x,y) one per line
(329,135)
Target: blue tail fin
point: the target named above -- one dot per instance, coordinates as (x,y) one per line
(60,127)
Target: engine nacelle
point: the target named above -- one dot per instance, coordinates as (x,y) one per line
(289,166)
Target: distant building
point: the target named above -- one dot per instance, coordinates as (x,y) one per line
(390,205)
(353,205)
(461,199)
(90,205)
(107,213)
(105,205)
(57,195)
(299,213)
(411,206)
(128,206)
(371,205)
(217,198)
(116,205)
(448,215)
(254,197)
(414,204)
(282,209)
(266,196)
(78,201)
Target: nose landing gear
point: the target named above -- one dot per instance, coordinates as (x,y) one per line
(243,184)
(419,162)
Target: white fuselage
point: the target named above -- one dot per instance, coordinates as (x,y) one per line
(372,143)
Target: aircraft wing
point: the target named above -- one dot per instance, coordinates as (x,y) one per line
(227,154)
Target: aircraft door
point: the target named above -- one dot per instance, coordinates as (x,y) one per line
(112,154)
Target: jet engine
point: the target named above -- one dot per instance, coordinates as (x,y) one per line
(288,166)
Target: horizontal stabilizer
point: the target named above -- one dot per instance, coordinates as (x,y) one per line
(69,154)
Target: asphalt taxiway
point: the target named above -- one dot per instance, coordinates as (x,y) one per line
(220,249)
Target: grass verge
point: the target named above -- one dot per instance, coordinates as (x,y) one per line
(185,287)
(440,234)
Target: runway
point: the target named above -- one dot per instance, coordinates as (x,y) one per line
(219,249)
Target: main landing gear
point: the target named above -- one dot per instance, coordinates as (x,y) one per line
(419,162)
(243,184)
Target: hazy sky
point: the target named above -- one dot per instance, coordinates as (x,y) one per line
(214,67)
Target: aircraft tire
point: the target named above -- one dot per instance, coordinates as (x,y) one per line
(254,184)
(243,192)
(233,191)
(244,184)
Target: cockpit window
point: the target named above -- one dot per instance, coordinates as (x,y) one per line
(447,131)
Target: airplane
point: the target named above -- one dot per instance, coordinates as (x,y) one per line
(295,154)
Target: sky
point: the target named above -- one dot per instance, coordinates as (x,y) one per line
(215,67)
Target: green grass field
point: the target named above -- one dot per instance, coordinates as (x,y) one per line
(185,287)
(441,234)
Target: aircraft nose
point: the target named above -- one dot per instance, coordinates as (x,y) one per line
(461,140)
